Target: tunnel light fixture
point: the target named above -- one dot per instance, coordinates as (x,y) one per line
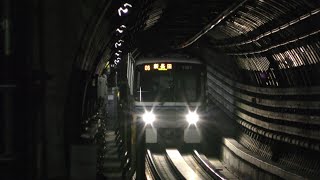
(192,117)
(116,61)
(118,44)
(121,29)
(148,117)
(124,9)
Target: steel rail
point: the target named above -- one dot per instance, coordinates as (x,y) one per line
(154,171)
(174,168)
(206,165)
(195,165)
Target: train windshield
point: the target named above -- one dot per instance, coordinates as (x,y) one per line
(169,82)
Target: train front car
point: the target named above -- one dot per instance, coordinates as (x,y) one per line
(169,98)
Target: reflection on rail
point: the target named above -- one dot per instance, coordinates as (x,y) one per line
(205,164)
(150,165)
(173,165)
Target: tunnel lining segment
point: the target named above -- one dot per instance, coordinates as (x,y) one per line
(265,165)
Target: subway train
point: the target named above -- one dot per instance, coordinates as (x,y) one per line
(169,97)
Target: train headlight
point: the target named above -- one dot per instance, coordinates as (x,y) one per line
(192,117)
(148,117)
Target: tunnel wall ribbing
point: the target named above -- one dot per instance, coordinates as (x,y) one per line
(280,124)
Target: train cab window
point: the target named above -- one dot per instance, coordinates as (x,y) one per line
(186,87)
(180,84)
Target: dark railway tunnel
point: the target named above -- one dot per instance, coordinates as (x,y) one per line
(262,91)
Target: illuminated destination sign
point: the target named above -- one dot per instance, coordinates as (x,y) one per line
(158,66)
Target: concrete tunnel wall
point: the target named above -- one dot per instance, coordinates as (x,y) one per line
(278,124)
(58,29)
(64,40)
(68,40)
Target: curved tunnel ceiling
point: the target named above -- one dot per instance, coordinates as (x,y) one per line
(256,34)
(254,25)
(286,32)
(159,26)
(179,21)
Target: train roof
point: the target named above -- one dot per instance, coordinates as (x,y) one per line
(168,59)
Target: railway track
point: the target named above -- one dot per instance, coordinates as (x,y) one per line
(172,165)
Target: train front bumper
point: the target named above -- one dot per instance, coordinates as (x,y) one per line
(188,135)
(175,124)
